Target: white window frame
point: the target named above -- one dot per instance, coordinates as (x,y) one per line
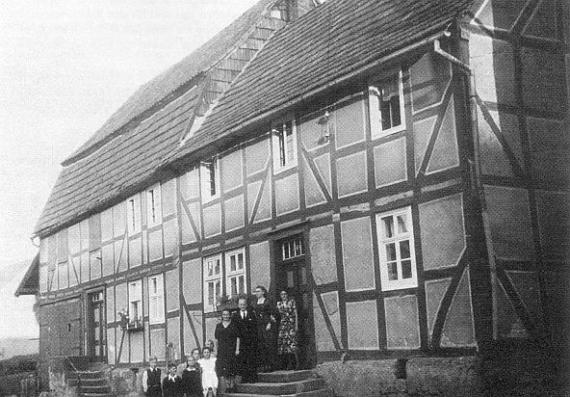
(292,248)
(234,275)
(396,239)
(375,112)
(212,279)
(156,299)
(153,206)
(135,300)
(207,181)
(281,146)
(133,214)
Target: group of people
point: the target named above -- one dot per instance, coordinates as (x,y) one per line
(261,337)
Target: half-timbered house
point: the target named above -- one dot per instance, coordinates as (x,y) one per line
(401,167)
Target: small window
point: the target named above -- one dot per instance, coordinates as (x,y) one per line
(396,250)
(284,145)
(212,282)
(153,211)
(235,273)
(292,248)
(210,179)
(134,214)
(387,105)
(155,299)
(135,301)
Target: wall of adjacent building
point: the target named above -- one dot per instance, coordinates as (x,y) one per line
(517,53)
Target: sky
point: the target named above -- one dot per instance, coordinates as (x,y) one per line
(65,67)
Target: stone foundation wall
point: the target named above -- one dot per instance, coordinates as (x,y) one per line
(518,372)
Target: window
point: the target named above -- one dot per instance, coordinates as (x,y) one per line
(210,179)
(135,301)
(292,248)
(235,273)
(134,214)
(212,282)
(155,299)
(396,250)
(387,105)
(284,145)
(153,212)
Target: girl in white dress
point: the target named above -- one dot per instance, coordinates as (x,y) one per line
(209,377)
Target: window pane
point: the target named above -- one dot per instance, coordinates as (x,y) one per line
(218,289)
(240,261)
(217,268)
(395,107)
(392,271)
(402,224)
(210,268)
(290,144)
(233,263)
(405,249)
(233,283)
(385,112)
(388,227)
(303,275)
(406,269)
(391,252)
(210,293)
(241,285)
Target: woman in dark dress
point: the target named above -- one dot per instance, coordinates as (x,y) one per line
(227,335)
(266,330)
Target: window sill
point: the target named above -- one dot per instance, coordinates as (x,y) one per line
(393,286)
(390,131)
(284,168)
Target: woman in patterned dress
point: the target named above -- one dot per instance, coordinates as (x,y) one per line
(288,328)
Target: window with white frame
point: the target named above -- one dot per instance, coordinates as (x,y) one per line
(155,299)
(235,273)
(396,249)
(134,214)
(292,248)
(153,211)
(135,300)
(284,138)
(210,179)
(387,105)
(212,282)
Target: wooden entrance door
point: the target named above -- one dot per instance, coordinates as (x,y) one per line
(96,335)
(292,275)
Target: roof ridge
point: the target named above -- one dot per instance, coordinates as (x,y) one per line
(123,119)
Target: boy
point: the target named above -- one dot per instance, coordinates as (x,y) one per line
(151,380)
(171,385)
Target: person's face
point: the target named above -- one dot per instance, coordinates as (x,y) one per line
(206,353)
(284,295)
(259,293)
(242,304)
(226,315)
(190,361)
(153,363)
(196,355)
(172,370)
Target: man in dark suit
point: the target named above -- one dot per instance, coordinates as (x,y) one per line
(247,328)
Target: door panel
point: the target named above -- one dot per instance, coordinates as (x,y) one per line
(96,331)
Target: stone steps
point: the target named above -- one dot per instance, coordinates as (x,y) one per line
(285,384)
(93,383)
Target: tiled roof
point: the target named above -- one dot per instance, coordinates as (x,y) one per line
(129,159)
(159,88)
(324,44)
(328,42)
(117,159)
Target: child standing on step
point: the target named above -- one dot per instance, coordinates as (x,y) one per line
(209,377)
(171,385)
